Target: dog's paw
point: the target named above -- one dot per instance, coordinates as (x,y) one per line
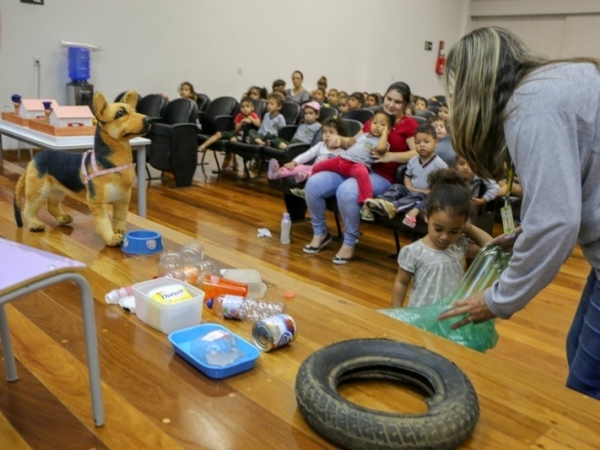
(115,241)
(120,231)
(64,219)
(36,226)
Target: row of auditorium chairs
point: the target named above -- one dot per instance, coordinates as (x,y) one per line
(180,125)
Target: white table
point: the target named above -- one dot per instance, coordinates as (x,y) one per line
(44,140)
(25,269)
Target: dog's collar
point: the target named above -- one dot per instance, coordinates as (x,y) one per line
(96,173)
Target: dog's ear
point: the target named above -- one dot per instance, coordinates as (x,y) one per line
(100,105)
(131,98)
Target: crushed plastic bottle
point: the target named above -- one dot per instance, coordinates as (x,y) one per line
(237,307)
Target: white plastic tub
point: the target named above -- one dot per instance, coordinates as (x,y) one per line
(167,315)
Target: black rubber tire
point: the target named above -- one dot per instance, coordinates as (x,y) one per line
(453,405)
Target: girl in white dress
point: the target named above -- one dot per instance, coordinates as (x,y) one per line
(435,263)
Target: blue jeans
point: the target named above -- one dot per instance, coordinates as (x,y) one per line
(583,342)
(327,184)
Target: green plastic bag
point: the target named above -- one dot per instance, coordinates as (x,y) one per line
(485,269)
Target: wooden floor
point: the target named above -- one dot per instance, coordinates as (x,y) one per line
(225,213)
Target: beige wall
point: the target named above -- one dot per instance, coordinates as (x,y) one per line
(555,27)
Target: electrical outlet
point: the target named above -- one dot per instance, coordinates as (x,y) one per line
(36,61)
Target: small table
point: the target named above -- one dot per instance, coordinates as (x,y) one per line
(44,140)
(30,270)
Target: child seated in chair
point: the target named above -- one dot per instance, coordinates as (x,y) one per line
(333,96)
(482,191)
(257,92)
(356,161)
(342,105)
(356,101)
(322,151)
(420,104)
(307,130)
(319,95)
(444,112)
(272,121)
(401,197)
(246,116)
(373,99)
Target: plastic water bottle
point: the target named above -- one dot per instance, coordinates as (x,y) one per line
(286,229)
(192,253)
(79,63)
(237,307)
(171,265)
(117,294)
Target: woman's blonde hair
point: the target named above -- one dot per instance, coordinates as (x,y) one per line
(483,70)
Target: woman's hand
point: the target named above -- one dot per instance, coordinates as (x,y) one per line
(381,158)
(507,241)
(474,307)
(478,201)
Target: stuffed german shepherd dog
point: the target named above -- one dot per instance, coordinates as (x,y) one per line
(106,172)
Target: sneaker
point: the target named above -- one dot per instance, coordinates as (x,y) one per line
(366,215)
(273,172)
(409,221)
(297,192)
(381,207)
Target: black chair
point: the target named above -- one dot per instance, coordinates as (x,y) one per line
(292,113)
(441,98)
(174,141)
(203,101)
(420,120)
(425,114)
(434,103)
(153,106)
(327,112)
(260,107)
(434,109)
(218,117)
(354,126)
(362,115)
(119,98)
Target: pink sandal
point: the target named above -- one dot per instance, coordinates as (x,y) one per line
(409,221)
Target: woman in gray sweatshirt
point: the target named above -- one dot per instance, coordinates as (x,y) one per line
(546,115)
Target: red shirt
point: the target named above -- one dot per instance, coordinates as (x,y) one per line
(404,129)
(239,117)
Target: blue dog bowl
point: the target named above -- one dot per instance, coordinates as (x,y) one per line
(142,242)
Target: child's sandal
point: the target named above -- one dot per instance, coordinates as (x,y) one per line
(410,221)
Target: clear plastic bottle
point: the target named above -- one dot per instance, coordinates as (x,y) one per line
(217,348)
(192,253)
(171,265)
(286,229)
(117,294)
(237,307)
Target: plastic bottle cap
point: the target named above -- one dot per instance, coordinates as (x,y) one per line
(112,297)
(209,303)
(289,294)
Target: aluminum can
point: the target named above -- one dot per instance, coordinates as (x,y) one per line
(273,332)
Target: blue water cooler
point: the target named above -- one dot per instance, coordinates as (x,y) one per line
(79,91)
